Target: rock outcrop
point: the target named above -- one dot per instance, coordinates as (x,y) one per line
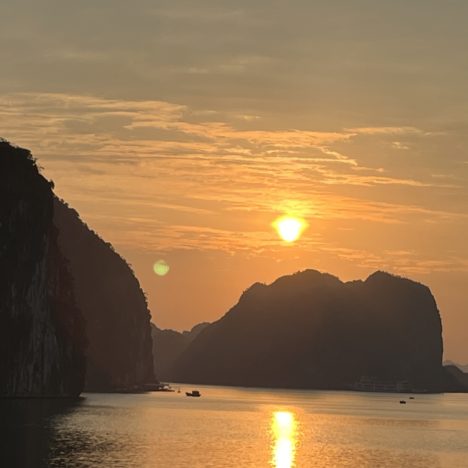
(455,379)
(462,367)
(168,345)
(311,330)
(42,336)
(119,354)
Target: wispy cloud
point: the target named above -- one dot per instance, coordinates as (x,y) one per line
(164,176)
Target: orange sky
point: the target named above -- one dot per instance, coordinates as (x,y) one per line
(181,133)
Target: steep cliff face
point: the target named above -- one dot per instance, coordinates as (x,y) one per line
(168,345)
(119,354)
(42,337)
(402,328)
(311,330)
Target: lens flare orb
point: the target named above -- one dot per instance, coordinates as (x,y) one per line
(161,268)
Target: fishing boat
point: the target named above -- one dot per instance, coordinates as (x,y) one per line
(193,393)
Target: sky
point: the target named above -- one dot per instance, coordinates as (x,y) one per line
(181,130)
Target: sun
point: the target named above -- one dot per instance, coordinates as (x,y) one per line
(289,228)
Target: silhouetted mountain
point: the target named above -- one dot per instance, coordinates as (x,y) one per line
(42,291)
(310,330)
(119,354)
(42,336)
(168,345)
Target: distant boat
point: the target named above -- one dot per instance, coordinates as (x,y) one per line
(193,393)
(402,402)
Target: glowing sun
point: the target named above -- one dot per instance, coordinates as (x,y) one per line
(289,228)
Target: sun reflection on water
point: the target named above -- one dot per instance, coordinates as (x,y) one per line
(284,430)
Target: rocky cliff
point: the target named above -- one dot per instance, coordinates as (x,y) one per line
(455,380)
(119,354)
(42,337)
(311,330)
(168,345)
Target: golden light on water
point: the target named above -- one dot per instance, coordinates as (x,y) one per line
(284,429)
(289,228)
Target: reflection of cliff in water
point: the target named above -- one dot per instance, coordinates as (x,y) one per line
(37,433)
(28,430)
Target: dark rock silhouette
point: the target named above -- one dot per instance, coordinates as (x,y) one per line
(42,336)
(168,345)
(119,355)
(455,380)
(61,286)
(310,330)
(462,367)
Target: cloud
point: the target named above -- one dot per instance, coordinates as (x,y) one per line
(167,176)
(386,131)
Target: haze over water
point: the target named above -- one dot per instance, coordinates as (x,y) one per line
(236,427)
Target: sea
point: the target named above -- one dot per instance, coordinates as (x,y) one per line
(237,427)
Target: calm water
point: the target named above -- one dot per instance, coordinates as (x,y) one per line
(230,427)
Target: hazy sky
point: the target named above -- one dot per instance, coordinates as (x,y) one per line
(181,129)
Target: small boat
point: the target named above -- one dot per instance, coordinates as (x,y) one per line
(193,393)
(402,402)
